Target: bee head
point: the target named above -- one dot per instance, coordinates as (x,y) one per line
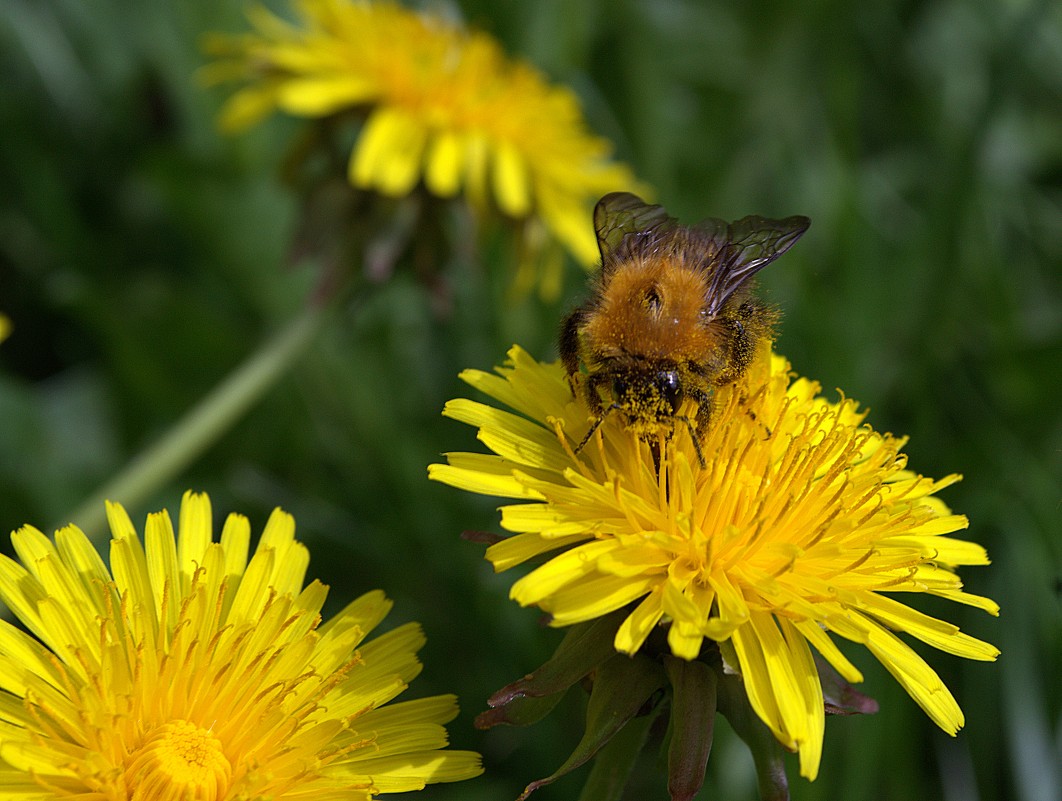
(650,396)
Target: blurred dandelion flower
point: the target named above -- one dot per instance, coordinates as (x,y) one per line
(442,105)
(804,521)
(195,673)
(5,327)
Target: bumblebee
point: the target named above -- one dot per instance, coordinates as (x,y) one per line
(669,316)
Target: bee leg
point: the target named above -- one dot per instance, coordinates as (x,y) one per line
(699,424)
(696,439)
(593,403)
(593,397)
(569,341)
(746,326)
(704,410)
(593,427)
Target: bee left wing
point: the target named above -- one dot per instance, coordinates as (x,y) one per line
(746,247)
(623,220)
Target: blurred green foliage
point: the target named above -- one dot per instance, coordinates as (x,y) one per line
(143,257)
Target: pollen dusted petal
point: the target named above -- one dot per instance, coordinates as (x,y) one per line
(802,525)
(32,549)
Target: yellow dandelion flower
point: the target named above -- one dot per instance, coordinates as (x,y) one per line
(195,673)
(5,327)
(443,105)
(802,522)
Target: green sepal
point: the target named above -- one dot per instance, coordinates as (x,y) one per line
(767,752)
(583,648)
(693,703)
(621,687)
(518,711)
(616,760)
(840,697)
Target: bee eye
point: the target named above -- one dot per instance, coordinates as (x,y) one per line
(670,386)
(619,388)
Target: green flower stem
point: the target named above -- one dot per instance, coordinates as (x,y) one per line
(203,424)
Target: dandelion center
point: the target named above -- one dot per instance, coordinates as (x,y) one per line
(179,761)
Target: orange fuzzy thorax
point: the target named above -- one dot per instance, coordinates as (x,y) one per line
(653,307)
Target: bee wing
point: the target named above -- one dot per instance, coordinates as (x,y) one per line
(744,248)
(623,221)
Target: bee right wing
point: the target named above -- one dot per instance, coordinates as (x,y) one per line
(623,222)
(744,248)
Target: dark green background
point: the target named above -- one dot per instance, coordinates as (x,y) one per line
(142,257)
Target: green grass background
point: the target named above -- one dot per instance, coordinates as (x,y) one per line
(142,257)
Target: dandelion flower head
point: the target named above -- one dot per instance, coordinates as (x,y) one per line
(193,672)
(443,105)
(803,522)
